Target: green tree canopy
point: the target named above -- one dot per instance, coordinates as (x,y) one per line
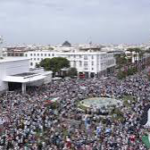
(136,49)
(121,59)
(55,64)
(45,63)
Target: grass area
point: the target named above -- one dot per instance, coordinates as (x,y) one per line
(79,105)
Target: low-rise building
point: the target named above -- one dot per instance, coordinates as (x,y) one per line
(15,73)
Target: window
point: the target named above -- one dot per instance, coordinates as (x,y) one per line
(52,54)
(74,64)
(41,54)
(85,63)
(45,54)
(31,54)
(92,57)
(80,63)
(31,64)
(85,57)
(92,63)
(38,54)
(34,54)
(49,55)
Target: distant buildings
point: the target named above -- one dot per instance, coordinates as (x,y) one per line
(89,59)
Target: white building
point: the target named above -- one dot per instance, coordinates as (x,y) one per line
(88,62)
(15,73)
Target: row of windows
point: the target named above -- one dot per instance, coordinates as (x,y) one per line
(15,54)
(88,68)
(46,55)
(86,65)
(80,62)
(39,59)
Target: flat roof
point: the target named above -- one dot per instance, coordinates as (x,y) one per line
(23,79)
(26,77)
(10,59)
(25,74)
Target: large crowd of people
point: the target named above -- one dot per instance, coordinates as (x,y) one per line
(32,121)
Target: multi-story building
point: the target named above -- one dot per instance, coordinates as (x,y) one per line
(90,63)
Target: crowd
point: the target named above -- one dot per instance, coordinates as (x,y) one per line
(33,122)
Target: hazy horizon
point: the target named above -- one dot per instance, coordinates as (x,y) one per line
(78,21)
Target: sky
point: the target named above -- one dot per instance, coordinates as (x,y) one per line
(78,21)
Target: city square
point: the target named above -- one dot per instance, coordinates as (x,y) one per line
(74,75)
(29,123)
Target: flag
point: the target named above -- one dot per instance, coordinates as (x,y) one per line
(146,140)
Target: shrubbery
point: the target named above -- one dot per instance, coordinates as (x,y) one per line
(130,71)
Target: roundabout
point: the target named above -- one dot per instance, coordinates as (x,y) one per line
(100,103)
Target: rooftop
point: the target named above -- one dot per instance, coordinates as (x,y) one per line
(25,74)
(10,59)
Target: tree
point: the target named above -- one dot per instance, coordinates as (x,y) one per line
(45,63)
(121,75)
(57,63)
(72,72)
(121,60)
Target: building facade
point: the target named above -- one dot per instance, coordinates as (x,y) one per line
(16,74)
(89,63)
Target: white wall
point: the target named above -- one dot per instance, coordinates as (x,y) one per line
(100,60)
(11,68)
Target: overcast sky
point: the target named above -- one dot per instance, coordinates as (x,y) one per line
(78,21)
